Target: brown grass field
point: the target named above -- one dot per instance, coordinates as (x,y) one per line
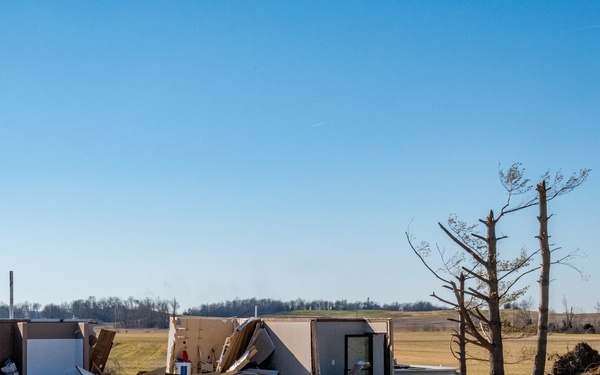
(419,338)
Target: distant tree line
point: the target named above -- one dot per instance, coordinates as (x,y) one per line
(123,313)
(245,307)
(154,313)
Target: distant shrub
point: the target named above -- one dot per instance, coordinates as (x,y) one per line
(519,329)
(431,328)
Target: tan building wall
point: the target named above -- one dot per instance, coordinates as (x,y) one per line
(201,338)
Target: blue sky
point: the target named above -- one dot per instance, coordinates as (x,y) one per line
(211,150)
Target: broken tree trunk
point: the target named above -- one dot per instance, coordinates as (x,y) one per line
(462,343)
(542,334)
(495,322)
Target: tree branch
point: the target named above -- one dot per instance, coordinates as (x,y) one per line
(520,265)
(423,260)
(443,300)
(463,246)
(475,275)
(474,293)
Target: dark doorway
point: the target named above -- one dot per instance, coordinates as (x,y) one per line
(359,349)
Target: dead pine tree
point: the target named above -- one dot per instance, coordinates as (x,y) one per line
(545,194)
(539,361)
(549,188)
(491,280)
(490,285)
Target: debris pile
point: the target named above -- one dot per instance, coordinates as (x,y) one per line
(248,347)
(194,345)
(582,359)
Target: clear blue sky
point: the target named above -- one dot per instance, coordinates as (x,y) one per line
(211,150)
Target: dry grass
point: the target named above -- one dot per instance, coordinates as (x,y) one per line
(419,338)
(432,348)
(137,350)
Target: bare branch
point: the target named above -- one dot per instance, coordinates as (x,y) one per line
(481,317)
(475,275)
(423,260)
(476,294)
(520,265)
(443,300)
(463,246)
(556,188)
(512,283)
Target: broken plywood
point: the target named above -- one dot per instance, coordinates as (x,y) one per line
(238,343)
(242,362)
(101,351)
(263,344)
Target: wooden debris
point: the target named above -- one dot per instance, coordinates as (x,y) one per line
(101,351)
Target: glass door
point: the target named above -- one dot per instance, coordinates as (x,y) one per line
(358,354)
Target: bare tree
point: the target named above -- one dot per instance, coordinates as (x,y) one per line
(545,194)
(36,309)
(569,318)
(539,361)
(491,283)
(494,278)
(174,305)
(524,311)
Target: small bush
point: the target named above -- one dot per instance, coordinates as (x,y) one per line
(520,329)
(430,328)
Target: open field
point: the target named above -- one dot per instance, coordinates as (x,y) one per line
(137,350)
(432,348)
(419,338)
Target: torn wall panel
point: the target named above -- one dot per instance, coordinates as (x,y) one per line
(201,338)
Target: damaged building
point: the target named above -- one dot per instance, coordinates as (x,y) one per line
(48,347)
(290,346)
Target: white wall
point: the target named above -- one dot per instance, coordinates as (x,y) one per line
(53,356)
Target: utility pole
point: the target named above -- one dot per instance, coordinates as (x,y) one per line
(11,310)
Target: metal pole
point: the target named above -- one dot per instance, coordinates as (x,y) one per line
(11,310)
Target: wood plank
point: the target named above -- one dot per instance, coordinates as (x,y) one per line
(238,365)
(239,342)
(101,351)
